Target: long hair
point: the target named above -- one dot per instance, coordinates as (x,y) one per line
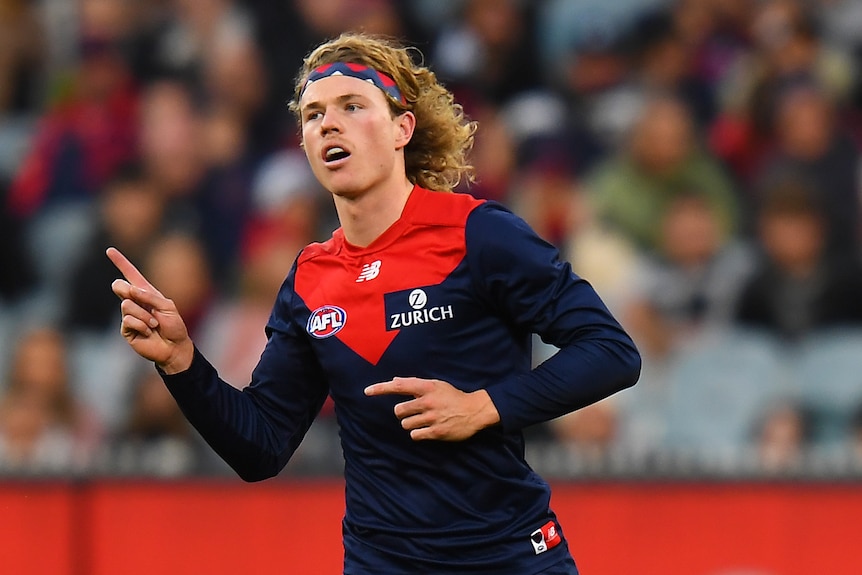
(436,156)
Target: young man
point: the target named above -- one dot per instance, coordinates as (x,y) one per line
(416,318)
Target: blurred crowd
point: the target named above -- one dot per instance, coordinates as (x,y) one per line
(698,161)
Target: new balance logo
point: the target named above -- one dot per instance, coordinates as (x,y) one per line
(369,272)
(546,537)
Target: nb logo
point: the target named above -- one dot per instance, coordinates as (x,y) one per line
(369,272)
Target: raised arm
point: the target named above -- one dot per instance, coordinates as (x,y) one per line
(151,324)
(256,429)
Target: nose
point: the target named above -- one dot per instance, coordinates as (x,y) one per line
(329,123)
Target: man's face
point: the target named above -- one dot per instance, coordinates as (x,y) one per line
(793,240)
(352,141)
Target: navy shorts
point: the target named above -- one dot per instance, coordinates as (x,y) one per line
(565,567)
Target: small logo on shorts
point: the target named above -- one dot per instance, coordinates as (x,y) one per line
(545,538)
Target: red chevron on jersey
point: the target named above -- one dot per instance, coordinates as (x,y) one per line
(420,249)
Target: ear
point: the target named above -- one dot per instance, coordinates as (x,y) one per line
(405,124)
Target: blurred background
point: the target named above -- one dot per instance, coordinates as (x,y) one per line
(698,161)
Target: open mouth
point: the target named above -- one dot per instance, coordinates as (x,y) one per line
(335,154)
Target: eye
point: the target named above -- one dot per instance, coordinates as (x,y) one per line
(312,115)
(352,107)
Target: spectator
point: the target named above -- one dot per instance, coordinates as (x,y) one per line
(177,40)
(200,161)
(787,45)
(493,155)
(716,35)
(592,76)
(591,433)
(787,49)
(30,441)
(798,286)
(547,195)
(691,284)
(21,54)
(222,201)
(130,214)
(169,150)
(662,63)
(488,54)
(236,85)
(811,147)
(82,139)
(177,261)
(113,20)
(606,257)
(44,427)
(156,440)
(782,438)
(571,29)
(632,190)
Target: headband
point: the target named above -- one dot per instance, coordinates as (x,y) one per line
(379,79)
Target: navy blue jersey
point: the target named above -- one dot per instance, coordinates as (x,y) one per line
(452,291)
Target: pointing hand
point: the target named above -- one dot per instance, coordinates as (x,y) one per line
(438,410)
(151,324)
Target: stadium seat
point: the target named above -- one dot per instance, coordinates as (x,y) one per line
(719,388)
(103,372)
(828,366)
(642,410)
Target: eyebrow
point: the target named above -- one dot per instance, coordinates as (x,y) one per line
(316,104)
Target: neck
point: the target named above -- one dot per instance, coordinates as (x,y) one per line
(366,216)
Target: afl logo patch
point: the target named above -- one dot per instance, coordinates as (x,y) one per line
(326,321)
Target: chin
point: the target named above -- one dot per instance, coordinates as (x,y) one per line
(345,186)
(346,191)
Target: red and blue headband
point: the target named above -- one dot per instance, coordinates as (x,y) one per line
(379,79)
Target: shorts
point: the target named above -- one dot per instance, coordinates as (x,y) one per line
(565,567)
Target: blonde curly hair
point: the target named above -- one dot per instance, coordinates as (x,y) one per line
(436,156)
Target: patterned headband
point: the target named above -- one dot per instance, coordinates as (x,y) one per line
(379,79)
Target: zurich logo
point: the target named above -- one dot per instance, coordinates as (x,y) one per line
(417,299)
(326,321)
(420,313)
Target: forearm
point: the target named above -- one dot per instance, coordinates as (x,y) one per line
(578,375)
(230,421)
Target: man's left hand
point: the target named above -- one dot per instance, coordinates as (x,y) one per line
(438,410)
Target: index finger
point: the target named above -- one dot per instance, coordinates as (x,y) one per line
(129,271)
(399,386)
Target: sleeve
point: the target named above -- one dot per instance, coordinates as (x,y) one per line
(257,429)
(521,278)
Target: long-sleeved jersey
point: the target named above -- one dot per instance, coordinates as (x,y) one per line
(452,291)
